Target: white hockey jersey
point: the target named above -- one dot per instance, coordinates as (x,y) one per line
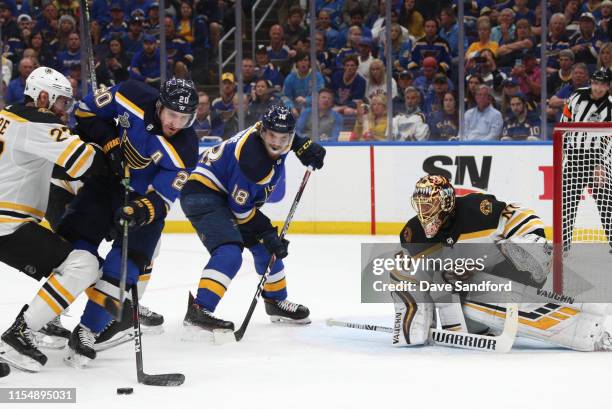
(32,141)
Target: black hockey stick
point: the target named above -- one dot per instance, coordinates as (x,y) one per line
(116,309)
(168,379)
(240,333)
(89,46)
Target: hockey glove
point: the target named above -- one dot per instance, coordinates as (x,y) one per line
(114,155)
(274,244)
(136,213)
(308,152)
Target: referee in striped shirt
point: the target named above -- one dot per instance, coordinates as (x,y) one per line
(588,156)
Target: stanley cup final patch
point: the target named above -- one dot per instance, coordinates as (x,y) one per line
(124,120)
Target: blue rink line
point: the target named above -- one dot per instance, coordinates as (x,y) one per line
(426,143)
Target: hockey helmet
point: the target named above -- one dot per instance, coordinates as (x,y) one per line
(180,95)
(602,75)
(51,81)
(433,201)
(278,118)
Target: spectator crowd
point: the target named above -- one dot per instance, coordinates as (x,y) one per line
(502,53)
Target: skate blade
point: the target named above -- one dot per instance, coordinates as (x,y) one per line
(126,336)
(50,341)
(193,333)
(11,356)
(75,360)
(152,330)
(276,319)
(118,339)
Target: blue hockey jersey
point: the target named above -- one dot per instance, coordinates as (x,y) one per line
(157,163)
(224,168)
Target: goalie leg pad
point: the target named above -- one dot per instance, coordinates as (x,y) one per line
(558,324)
(412,320)
(451,315)
(414,311)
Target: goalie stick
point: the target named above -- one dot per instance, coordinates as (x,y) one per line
(500,344)
(240,332)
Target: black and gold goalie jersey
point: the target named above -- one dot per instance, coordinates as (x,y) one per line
(477,218)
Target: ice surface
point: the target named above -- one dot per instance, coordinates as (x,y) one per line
(309,367)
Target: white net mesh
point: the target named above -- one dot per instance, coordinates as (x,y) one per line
(586,187)
(586,212)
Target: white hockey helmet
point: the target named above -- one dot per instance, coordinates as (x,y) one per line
(49,80)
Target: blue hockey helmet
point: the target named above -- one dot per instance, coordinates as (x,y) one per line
(179,95)
(278,118)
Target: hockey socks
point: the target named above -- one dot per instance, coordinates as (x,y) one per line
(224,263)
(276,285)
(73,276)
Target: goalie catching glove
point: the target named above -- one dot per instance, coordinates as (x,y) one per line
(141,211)
(529,253)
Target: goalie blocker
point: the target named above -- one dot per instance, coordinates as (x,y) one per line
(524,255)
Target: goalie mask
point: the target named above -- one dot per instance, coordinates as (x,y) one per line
(433,201)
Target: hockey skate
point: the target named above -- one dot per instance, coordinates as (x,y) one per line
(18,347)
(150,321)
(79,350)
(201,324)
(286,311)
(53,335)
(117,333)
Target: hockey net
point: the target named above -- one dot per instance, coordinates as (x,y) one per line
(582,205)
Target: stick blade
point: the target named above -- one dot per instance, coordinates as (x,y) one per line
(506,339)
(239,334)
(170,379)
(245,323)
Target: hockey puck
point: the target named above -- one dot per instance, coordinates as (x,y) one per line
(4,369)
(125,391)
